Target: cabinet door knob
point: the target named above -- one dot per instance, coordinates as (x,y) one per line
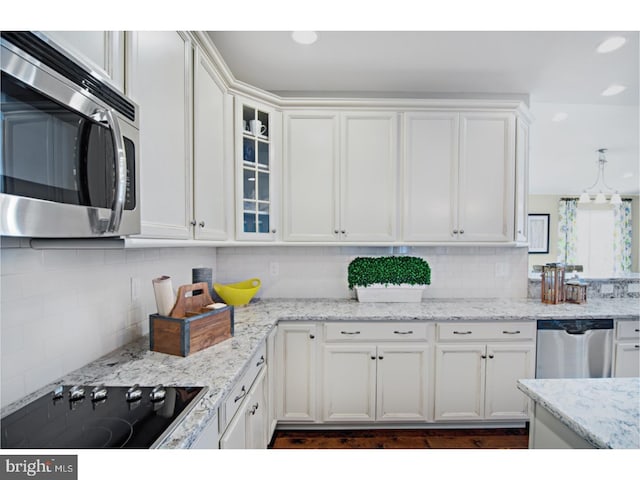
(193,223)
(380,357)
(273,230)
(455,232)
(373,357)
(461,232)
(336,231)
(202,224)
(344,232)
(483,356)
(311,336)
(490,356)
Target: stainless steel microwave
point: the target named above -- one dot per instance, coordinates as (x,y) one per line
(69,145)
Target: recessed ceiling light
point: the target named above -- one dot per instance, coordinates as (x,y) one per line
(304,38)
(613,89)
(560,117)
(611,44)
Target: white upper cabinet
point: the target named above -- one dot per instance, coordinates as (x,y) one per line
(160,82)
(369,154)
(103,51)
(459,176)
(186,135)
(311,176)
(340,176)
(257,167)
(486,177)
(430,176)
(211,144)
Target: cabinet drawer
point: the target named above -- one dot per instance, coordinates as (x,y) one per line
(628,329)
(241,389)
(486,331)
(369,331)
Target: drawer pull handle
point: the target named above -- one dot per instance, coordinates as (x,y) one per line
(468,332)
(350,333)
(507,332)
(254,408)
(261,361)
(243,393)
(408,332)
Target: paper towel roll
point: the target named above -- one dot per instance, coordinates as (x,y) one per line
(165,298)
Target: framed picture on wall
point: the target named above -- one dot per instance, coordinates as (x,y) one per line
(538,232)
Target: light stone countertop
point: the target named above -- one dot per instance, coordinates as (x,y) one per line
(220,366)
(603,411)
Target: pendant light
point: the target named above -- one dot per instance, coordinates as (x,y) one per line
(600,199)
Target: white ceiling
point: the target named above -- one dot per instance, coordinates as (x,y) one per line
(555,71)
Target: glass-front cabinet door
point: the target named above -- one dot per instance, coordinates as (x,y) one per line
(256,127)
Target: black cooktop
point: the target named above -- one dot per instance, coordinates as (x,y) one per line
(99,417)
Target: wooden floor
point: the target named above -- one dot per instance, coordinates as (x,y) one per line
(400,438)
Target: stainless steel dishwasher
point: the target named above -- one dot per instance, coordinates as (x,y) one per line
(574,348)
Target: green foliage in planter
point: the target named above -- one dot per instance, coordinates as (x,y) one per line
(365,271)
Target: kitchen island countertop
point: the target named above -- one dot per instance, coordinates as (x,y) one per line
(220,366)
(603,411)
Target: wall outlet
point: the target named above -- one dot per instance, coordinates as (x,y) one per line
(135,289)
(274,269)
(606,288)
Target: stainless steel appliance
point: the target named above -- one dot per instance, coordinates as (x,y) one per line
(69,166)
(574,348)
(99,417)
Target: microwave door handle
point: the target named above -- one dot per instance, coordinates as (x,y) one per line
(120,161)
(121,171)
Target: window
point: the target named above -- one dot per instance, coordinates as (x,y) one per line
(595,236)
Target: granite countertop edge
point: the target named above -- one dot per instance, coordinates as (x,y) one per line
(569,410)
(135,363)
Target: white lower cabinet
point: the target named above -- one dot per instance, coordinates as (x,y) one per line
(296,363)
(626,361)
(365,382)
(475,380)
(244,414)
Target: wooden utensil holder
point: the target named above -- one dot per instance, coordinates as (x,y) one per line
(190,327)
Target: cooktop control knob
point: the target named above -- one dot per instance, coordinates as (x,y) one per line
(98,393)
(76,393)
(134,393)
(58,392)
(158,393)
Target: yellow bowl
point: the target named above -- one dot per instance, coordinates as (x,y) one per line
(239,293)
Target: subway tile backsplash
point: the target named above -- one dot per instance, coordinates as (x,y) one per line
(60,309)
(312,272)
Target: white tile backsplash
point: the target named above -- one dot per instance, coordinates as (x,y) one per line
(60,309)
(312,272)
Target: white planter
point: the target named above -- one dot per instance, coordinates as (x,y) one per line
(390,293)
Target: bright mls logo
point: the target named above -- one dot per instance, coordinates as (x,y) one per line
(44,467)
